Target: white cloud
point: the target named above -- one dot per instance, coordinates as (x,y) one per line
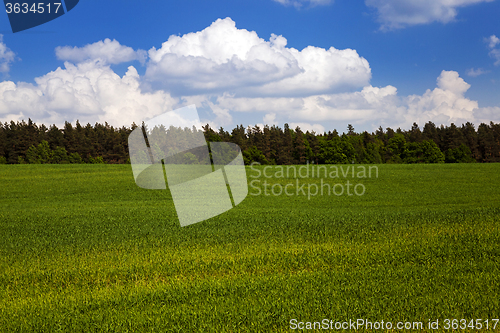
(492,41)
(89,91)
(494,53)
(300,3)
(6,57)
(107,51)
(222,58)
(270,119)
(445,104)
(304,127)
(485,115)
(476,72)
(223,116)
(273,83)
(316,108)
(370,107)
(451,81)
(394,14)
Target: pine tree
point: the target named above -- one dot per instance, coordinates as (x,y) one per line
(266,143)
(350,130)
(224,135)
(470,136)
(452,138)
(312,140)
(276,144)
(430,132)
(210,134)
(239,137)
(299,148)
(415,134)
(55,137)
(389,133)
(380,134)
(69,137)
(3,142)
(287,144)
(486,141)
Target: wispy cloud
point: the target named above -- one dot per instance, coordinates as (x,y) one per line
(476,72)
(6,57)
(396,14)
(493,41)
(301,3)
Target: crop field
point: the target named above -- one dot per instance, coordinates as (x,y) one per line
(83,249)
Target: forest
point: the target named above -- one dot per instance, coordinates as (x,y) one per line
(26,142)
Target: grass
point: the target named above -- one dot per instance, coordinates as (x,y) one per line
(83,249)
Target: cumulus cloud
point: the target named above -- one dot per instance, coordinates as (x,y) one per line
(371,107)
(107,51)
(476,72)
(300,3)
(89,91)
(235,75)
(494,53)
(487,114)
(6,57)
(394,14)
(270,119)
(222,58)
(445,104)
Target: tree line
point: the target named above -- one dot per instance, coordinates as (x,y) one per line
(26,142)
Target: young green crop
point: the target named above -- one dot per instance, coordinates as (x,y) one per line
(83,249)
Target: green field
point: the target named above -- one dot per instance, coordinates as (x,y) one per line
(83,249)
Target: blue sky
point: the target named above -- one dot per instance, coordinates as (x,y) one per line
(369,63)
